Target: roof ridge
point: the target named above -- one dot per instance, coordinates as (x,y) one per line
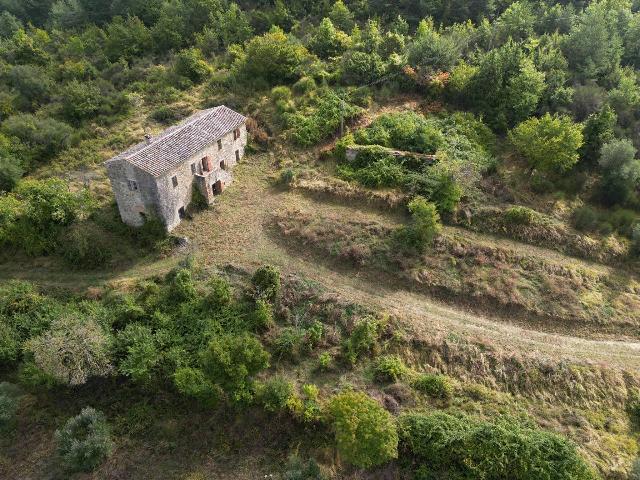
(195,117)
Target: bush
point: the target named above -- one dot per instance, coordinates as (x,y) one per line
(219,292)
(363,339)
(9,404)
(585,219)
(193,383)
(389,368)
(304,86)
(324,361)
(85,246)
(447,446)
(266,283)
(287,176)
(139,352)
(262,315)
(44,136)
(275,394)
(436,386)
(521,216)
(231,361)
(298,469)
(168,115)
(85,441)
(635,240)
(424,226)
(190,63)
(366,435)
(73,350)
(289,343)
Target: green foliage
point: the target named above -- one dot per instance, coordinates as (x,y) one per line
(362,340)
(549,143)
(266,283)
(126,38)
(190,63)
(620,171)
(423,228)
(289,343)
(73,350)
(436,386)
(45,137)
(506,88)
(193,383)
(84,442)
(81,100)
(598,130)
(262,315)
(360,68)
(585,218)
(275,394)
(635,239)
(520,215)
(139,353)
(85,246)
(328,41)
(298,469)
(462,447)
(272,58)
(228,26)
(9,404)
(321,119)
(219,292)
(407,131)
(366,434)
(182,287)
(389,368)
(231,361)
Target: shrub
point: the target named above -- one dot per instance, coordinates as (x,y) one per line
(324,361)
(287,176)
(190,63)
(182,288)
(9,404)
(298,469)
(366,434)
(266,283)
(219,292)
(281,94)
(585,218)
(363,339)
(436,386)
(231,361)
(635,470)
(73,350)
(389,368)
(193,383)
(168,115)
(139,352)
(423,228)
(198,201)
(304,86)
(519,215)
(289,343)
(275,394)
(85,246)
(549,143)
(262,315)
(635,239)
(448,446)
(85,441)
(44,136)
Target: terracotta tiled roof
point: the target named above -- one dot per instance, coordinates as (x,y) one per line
(164,152)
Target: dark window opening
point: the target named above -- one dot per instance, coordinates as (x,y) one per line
(237,155)
(133,185)
(174,180)
(144,217)
(181,212)
(205,164)
(236,134)
(223,165)
(193,168)
(219,144)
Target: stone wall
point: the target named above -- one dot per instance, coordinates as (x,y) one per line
(172,199)
(133,204)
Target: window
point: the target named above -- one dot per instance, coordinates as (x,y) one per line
(205,164)
(181,212)
(193,168)
(133,185)
(237,155)
(219,144)
(236,134)
(222,165)
(174,180)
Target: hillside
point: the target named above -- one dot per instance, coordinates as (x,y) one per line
(427,265)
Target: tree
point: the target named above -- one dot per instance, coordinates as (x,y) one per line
(424,226)
(48,207)
(366,435)
(9,25)
(227,27)
(80,100)
(432,51)
(507,88)
(73,350)
(359,68)
(620,171)
(169,31)
(84,442)
(190,63)
(273,58)
(594,47)
(126,38)
(550,143)
(67,14)
(328,41)
(598,130)
(32,84)
(341,16)
(231,361)
(11,166)
(44,137)
(516,22)
(632,42)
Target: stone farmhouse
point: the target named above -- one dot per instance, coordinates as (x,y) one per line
(157,176)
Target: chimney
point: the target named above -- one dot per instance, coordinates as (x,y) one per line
(147,137)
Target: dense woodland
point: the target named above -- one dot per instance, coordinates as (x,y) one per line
(553,88)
